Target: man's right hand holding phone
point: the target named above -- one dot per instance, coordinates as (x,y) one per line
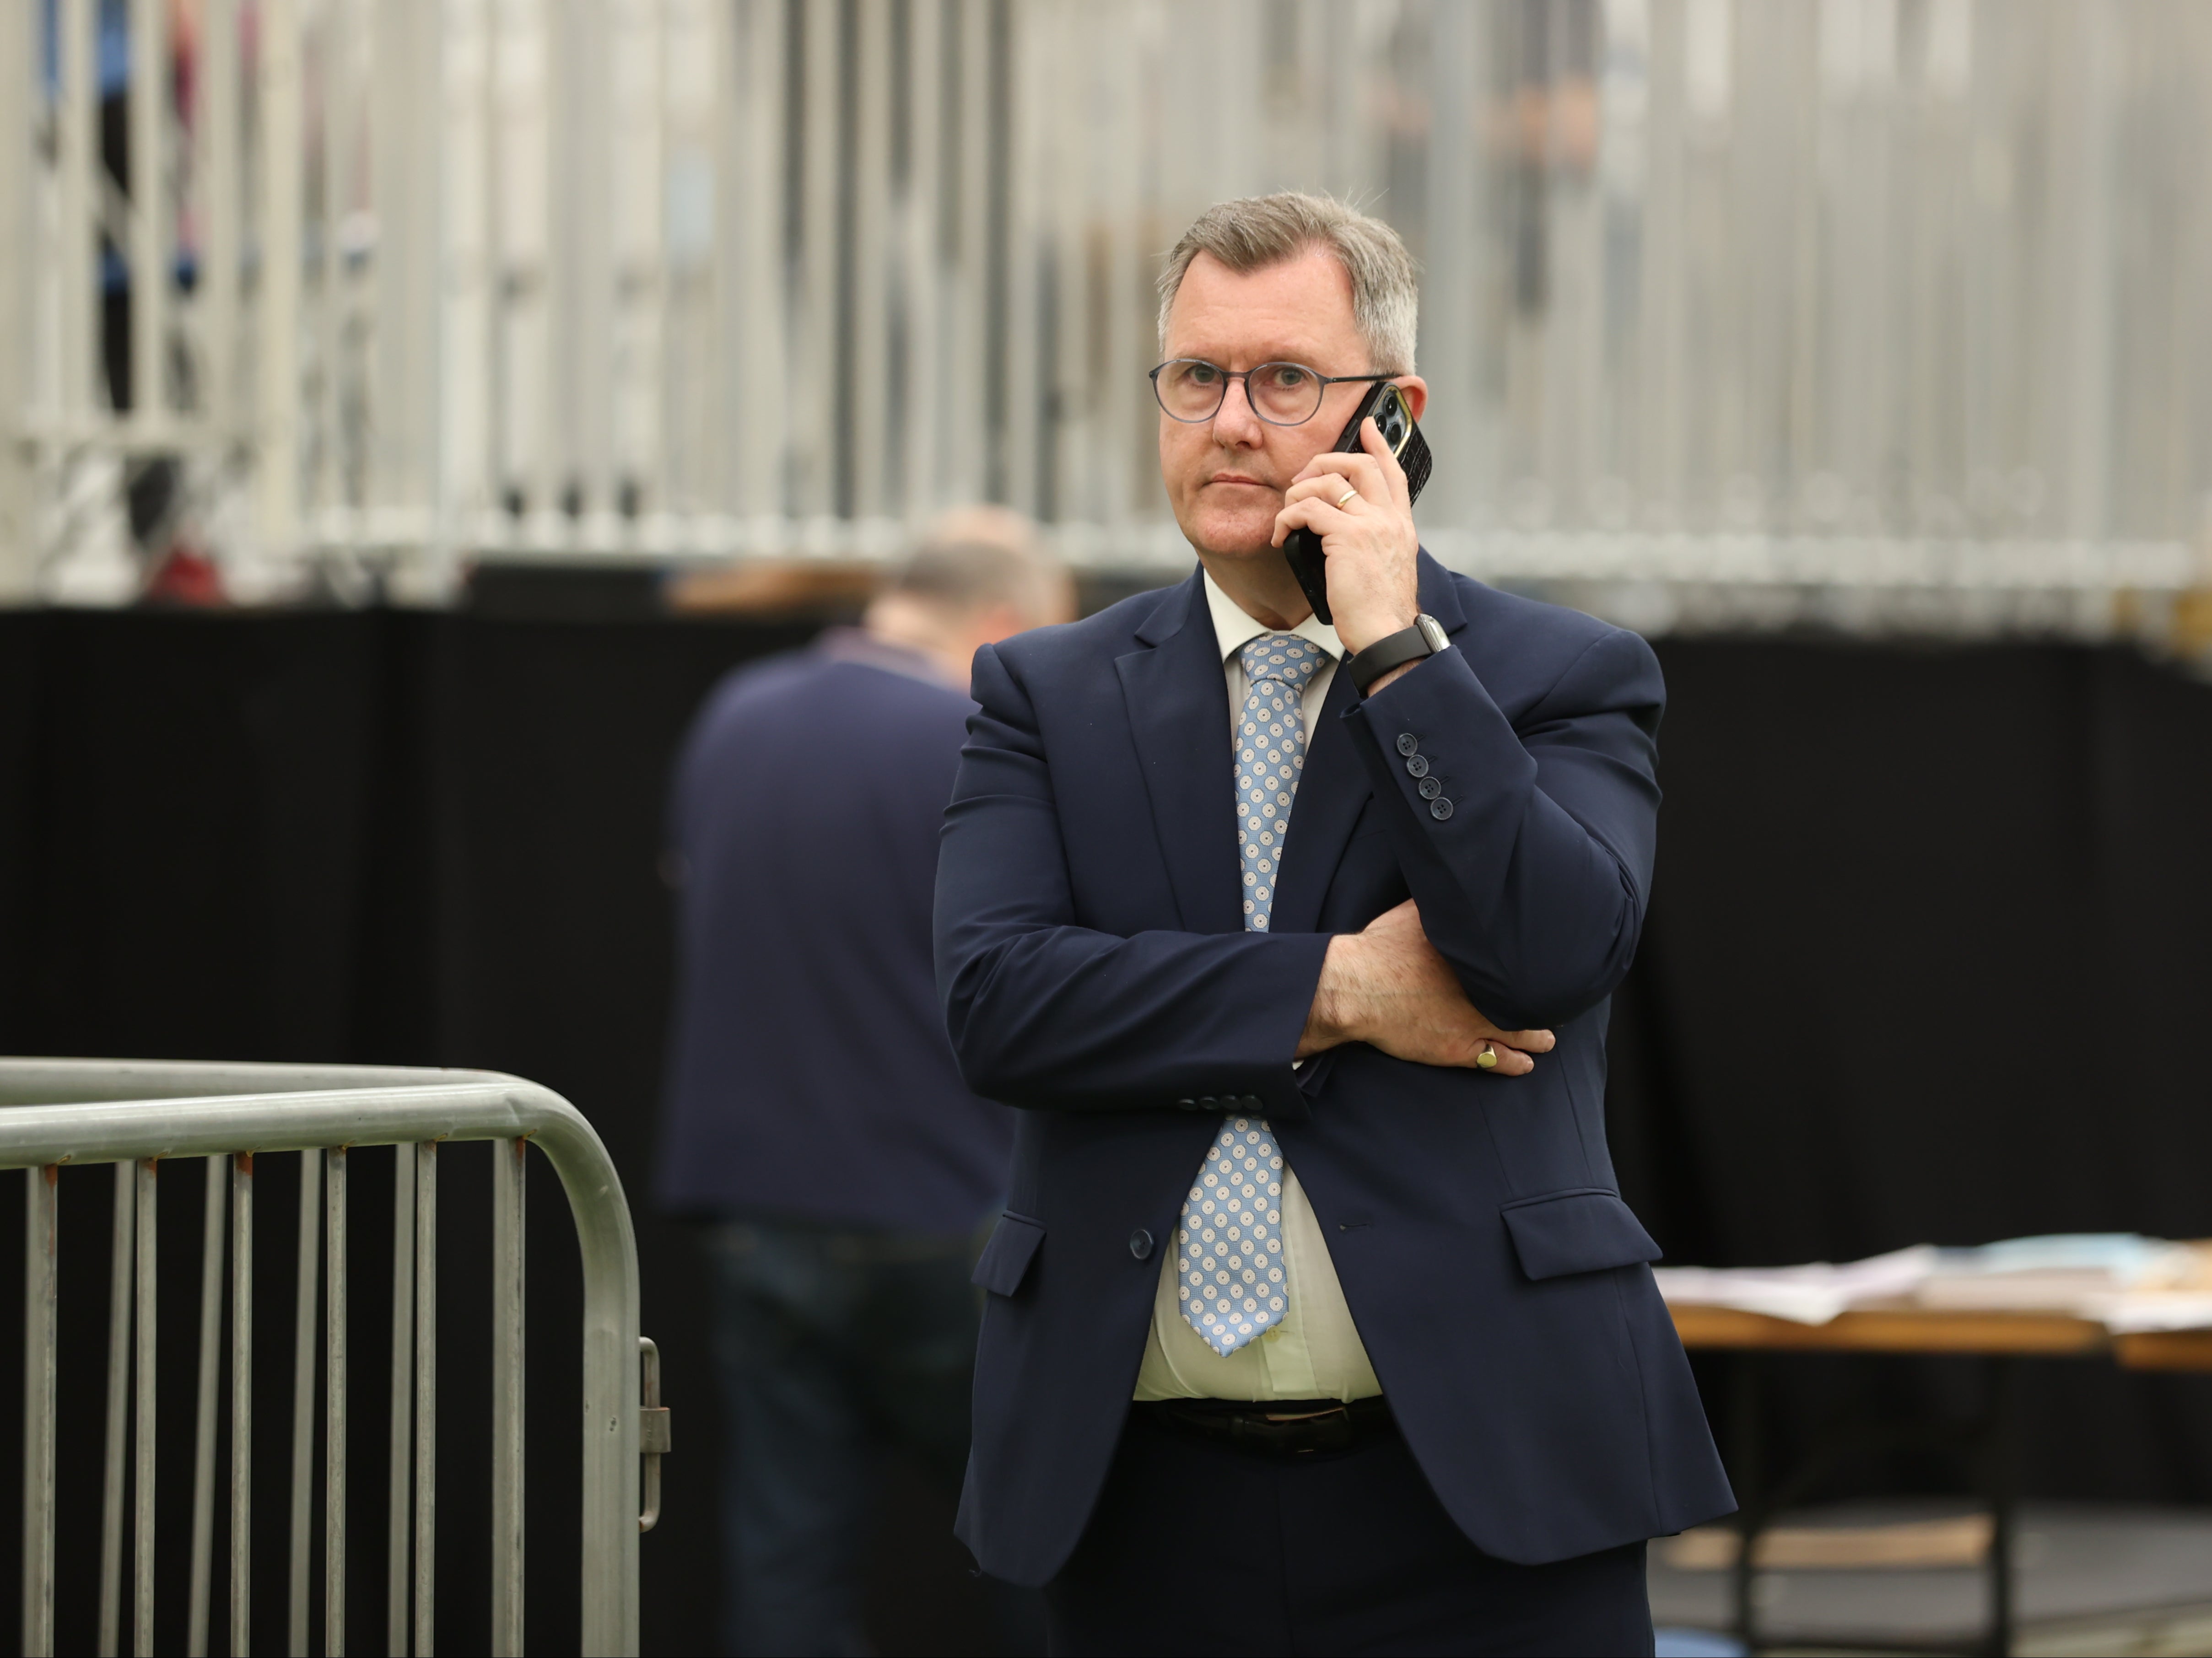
(1387,986)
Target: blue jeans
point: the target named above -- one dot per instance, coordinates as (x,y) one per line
(830,1345)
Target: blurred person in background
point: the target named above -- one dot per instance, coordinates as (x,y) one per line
(814,1117)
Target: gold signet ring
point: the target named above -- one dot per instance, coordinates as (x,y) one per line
(1487,1060)
(1349,495)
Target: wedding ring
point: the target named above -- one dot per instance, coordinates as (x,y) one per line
(1487,1060)
(1349,495)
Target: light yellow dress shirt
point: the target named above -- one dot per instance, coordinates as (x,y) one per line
(1315,1351)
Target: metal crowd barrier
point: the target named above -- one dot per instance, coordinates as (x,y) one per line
(137,1115)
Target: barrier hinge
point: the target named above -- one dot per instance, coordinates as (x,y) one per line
(653,1441)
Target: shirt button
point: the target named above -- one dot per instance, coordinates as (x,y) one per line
(1407,743)
(1440,809)
(1431,787)
(1140,1244)
(1418,766)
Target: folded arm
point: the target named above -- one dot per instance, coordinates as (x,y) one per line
(1531,883)
(1044,1013)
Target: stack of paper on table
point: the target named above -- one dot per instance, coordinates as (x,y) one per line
(2123,1281)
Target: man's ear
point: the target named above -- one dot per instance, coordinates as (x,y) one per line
(1415,391)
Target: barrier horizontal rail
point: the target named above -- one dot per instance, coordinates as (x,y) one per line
(138,1115)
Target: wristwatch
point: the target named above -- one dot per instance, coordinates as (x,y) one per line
(1424,638)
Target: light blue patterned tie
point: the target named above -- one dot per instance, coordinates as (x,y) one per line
(1228,1248)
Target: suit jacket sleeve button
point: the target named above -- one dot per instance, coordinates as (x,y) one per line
(1252,1102)
(1186,1105)
(1207,1103)
(1418,766)
(1407,743)
(1431,787)
(1440,809)
(1140,1244)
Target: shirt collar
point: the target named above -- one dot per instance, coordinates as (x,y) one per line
(1232,628)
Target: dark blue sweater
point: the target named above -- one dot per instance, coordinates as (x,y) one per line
(811,1076)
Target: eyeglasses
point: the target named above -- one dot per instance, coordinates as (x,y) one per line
(1190,390)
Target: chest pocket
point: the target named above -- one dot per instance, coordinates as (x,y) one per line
(1006,1258)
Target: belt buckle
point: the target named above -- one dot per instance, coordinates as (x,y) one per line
(1308,1415)
(1302,1434)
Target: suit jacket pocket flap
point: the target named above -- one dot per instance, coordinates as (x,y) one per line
(1578,1231)
(1006,1258)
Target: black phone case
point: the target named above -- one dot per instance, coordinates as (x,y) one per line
(1302,547)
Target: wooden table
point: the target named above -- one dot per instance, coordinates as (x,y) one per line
(2166,1349)
(1905,1327)
(1899,1327)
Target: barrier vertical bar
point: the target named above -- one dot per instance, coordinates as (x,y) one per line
(303,1398)
(241,1404)
(864,199)
(334,1408)
(195,1627)
(39,1262)
(142,1560)
(507,1397)
(78,149)
(426,1397)
(499,420)
(21,32)
(610,1419)
(118,1364)
(810,298)
(403,1396)
(147,104)
(281,149)
(221,176)
(334,113)
(919,284)
(551,424)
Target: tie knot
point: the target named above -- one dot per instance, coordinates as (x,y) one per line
(1285,659)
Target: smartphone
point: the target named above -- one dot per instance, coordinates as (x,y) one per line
(1387,404)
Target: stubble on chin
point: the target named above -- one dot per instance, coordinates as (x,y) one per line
(1232,535)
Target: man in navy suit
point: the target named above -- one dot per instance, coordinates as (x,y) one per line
(814,1117)
(1316,1322)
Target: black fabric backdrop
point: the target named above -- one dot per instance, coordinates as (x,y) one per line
(1928,960)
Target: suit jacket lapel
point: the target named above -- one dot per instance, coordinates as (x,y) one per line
(1331,790)
(1178,703)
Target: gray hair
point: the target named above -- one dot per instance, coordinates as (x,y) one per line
(1256,231)
(977,557)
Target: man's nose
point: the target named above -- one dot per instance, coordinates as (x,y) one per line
(1235,424)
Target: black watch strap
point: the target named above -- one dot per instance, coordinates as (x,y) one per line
(1424,638)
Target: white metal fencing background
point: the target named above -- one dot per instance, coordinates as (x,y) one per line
(140,1116)
(1824,287)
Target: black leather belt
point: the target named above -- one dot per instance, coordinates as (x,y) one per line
(1276,1427)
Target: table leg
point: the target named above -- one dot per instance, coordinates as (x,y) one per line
(1746,1473)
(2000,1489)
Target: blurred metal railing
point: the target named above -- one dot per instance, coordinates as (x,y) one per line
(683,280)
(138,1115)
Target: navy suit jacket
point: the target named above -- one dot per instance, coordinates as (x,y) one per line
(1095,972)
(810,1075)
